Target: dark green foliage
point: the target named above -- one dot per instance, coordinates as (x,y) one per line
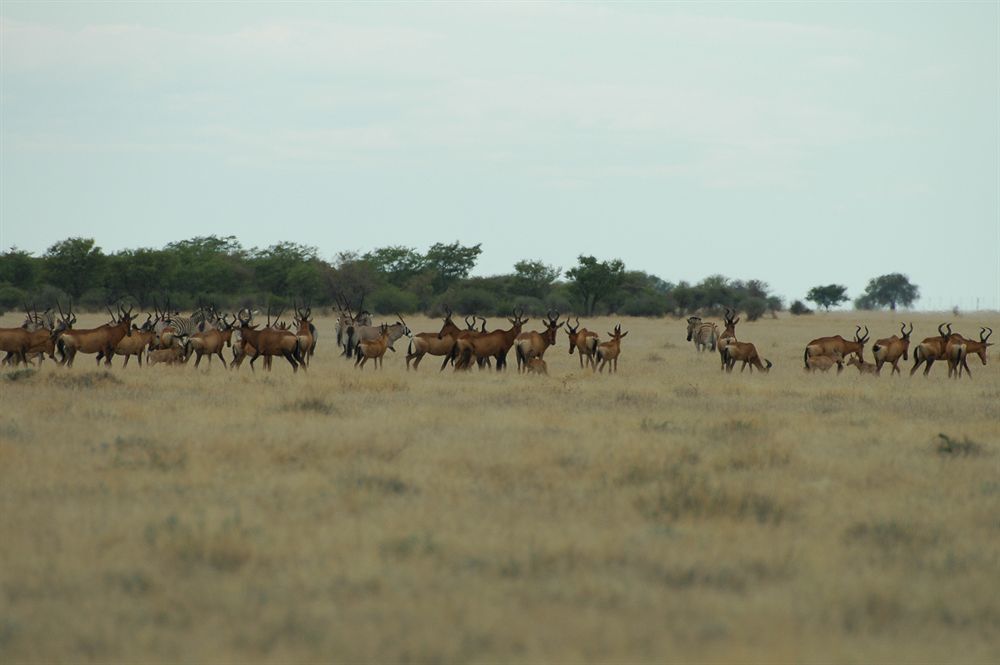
(827,296)
(798,308)
(888,291)
(220,271)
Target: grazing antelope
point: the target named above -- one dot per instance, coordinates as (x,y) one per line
(374,349)
(608,352)
(958,350)
(863,367)
(495,344)
(824,363)
(211,342)
(583,341)
(704,335)
(891,349)
(101,340)
(931,349)
(728,335)
(268,342)
(534,344)
(747,353)
(537,366)
(827,346)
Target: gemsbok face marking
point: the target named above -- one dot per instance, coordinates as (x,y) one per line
(608,352)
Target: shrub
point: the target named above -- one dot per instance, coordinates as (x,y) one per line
(798,308)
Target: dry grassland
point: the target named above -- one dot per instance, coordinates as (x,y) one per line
(668,513)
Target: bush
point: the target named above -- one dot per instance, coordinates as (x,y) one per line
(391,299)
(755,308)
(645,304)
(798,308)
(11,297)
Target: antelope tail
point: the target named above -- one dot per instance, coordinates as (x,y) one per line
(805,357)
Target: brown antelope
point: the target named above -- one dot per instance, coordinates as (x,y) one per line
(306,332)
(212,341)
(703,334)
(728,335)
(136,343)
(608,352)
(863,367)
(534,344)
(101,340)
(373,349)
(958,349)
(537,366)
(747,353)
(269,342)
(584,341)
(495,344)
(931,349)
(436,344)
(824,363)
(827,346)
(891,349)
(172,355)
(463,342)
(40,337)
(16,342)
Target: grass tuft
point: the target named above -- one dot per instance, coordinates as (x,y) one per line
(949,447)
(20,374)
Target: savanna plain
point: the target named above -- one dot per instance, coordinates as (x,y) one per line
(670,512)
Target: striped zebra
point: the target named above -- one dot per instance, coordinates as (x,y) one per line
(704,335)
(174,326)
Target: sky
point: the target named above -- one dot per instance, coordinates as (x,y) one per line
(801,143)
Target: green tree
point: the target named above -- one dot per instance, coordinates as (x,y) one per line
(140,272)
(399,264)
(451,262)
(274,266)
(889,291)
(593,280)
(827,296)
(19,268)
(75,265)
(534,278)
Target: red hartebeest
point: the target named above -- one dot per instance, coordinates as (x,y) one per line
(931,349)
(584,341)
(826,346)
(745,352)
(495,344)
(958,349)
(101,340)
(608,352)
(534,344)
(891,349)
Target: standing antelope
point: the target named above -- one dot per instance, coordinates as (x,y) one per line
(211,342)
(495,344)
(306,332)
(583,341)
(373,349)
(891,349)
(747,353)
(436,344)
(703,334)
(534,344)
(101,340)
(136,343)
(728,335)
(608,352)
(268,342)
(958,348)
(827,346)
(931,349)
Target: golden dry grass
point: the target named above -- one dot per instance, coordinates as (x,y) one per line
(668,513)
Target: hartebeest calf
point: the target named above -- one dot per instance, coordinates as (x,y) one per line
(704,334)
(584,341)
(931,349)
(863,367)
(827,346)
(537,366)
(824,363)
(958,349)
(745,352)
(373,349)
(608,352)
(891,349)
(534,344)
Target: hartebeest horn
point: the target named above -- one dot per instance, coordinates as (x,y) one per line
(984,330)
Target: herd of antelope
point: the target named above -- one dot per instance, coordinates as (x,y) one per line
(169,338)
(825,353)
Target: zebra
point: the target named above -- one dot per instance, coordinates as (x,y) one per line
(173,327)
(704,335)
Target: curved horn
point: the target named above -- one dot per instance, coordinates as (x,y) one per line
(865,338)
(857,334)
(941,330)
(988,331)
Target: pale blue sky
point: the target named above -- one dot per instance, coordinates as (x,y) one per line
(799,143)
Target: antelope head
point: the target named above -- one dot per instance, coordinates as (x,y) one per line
(571,332)
(617,334)
(552,324)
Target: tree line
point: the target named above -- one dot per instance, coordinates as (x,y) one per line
(220,271)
